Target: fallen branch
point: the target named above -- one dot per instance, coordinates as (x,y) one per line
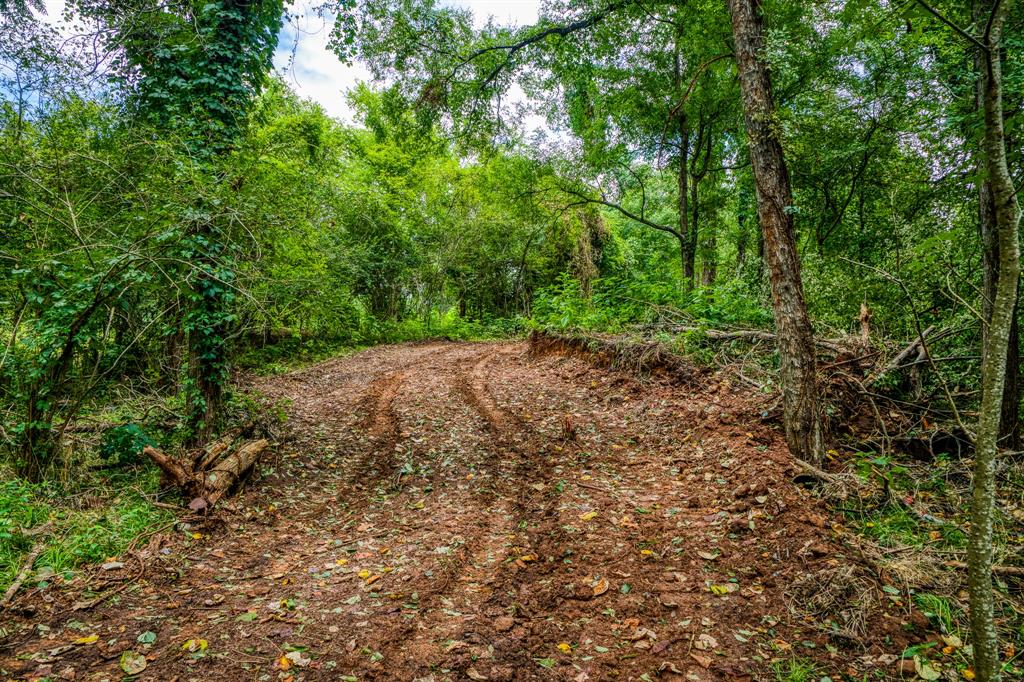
(23,574)
(1016,571)
(750,335)
(915,346)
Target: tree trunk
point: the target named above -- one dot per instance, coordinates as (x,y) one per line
(797,362)
(1009,429)
(206,322)
(1006,212)
(685,252)
(709,258)
(691,237)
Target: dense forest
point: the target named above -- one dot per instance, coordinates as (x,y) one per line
(811,207)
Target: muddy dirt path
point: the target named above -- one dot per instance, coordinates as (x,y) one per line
(469,511)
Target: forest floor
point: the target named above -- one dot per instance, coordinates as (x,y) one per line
(447,511)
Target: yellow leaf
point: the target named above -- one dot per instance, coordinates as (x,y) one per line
(565,647)
(587,516)
(87,640)
(283,663)
(341,562)
(527,557)
(646,552)
(195,645)
(197,536)
(364,574)
(968,674)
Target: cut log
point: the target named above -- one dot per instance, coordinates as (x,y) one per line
(209,455)
(205,488)
(232,470)
(176,472)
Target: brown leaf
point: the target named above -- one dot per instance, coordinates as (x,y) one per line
(703,661)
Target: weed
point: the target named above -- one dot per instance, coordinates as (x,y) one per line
(97,520)
(795,670)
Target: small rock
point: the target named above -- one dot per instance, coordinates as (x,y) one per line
(112,565)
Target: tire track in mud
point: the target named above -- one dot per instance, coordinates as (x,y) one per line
(479,520)
(522,491)
(524,593)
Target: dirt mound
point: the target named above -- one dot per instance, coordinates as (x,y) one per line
(469,511)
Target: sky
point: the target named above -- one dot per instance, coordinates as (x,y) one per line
(312,71)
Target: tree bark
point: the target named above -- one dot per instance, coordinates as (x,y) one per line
(686,251)
(1006,213)
(797,362)
(1009,428)
(686,255)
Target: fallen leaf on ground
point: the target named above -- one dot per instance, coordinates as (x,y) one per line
(133,663)
(703,661)
(193,645)
(705,642)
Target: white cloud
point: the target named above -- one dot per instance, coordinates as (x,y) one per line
(315,72)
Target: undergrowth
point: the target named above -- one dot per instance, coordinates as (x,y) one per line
(918,533)
(96,518)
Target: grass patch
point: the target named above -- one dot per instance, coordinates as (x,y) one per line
(795,670)
(96,519)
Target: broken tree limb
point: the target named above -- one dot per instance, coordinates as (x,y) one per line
(749,335)
(1016,571)
(23,574)
(915,346)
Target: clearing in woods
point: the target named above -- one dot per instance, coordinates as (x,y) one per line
(451,511)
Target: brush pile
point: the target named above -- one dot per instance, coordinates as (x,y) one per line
(213,472)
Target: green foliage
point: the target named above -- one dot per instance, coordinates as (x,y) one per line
(796,670)
(118,513)
(123,445)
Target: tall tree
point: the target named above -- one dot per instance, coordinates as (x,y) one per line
(195,69)
(797,361)
(1009,428)
(1006,216)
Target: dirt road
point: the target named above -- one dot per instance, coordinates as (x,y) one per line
(469,511)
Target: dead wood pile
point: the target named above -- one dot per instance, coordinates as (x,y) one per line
(213,472)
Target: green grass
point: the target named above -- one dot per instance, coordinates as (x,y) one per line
(96,519)
(938,610)
(796,670)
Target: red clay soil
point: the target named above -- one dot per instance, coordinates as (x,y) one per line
(471,511)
